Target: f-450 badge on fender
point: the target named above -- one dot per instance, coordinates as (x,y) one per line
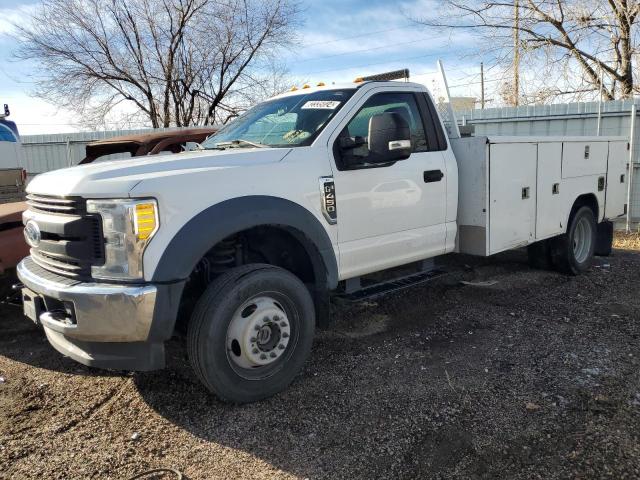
(328,198)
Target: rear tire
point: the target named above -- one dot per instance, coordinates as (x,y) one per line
(572,252)
(251,332)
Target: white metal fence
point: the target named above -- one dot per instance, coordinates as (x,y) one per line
(563,119)
(43,153)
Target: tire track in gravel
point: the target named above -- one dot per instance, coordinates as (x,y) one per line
(110,397)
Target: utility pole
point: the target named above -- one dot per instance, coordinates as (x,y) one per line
(632,160)
(482,85)
(516,53)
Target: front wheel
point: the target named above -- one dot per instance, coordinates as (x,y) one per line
(251,332)
(573,252)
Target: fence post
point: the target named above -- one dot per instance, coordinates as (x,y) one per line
(632,142)
(69,164)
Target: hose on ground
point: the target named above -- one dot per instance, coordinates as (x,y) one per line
(177,473)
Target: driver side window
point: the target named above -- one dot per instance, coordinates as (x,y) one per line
(401,103)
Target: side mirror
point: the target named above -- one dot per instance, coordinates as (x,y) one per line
(389,138)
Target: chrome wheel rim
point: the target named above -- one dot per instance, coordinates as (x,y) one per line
(582,238)
(258,334)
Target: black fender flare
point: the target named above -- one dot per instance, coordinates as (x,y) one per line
(221,220)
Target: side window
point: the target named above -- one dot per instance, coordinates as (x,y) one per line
(435,135)
(401,103)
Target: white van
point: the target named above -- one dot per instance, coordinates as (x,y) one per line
(12,173)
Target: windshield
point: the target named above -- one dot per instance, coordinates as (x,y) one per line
(8,131)
(290,121)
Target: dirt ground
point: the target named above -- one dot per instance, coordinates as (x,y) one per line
(536,376)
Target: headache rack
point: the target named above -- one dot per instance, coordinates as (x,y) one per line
(385,76)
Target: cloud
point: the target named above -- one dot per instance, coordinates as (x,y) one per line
(14,15)
(375,37)
(35,116)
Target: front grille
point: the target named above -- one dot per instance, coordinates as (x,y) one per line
(71,240)
(51,204)
(58,265)
(33,267)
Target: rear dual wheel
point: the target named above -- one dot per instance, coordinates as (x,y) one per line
(251,332)
(572,252)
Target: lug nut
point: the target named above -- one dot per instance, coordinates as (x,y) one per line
(285,335)
(265,319)
(263,356)
(283,324)
(281,347)
(255,350)
(276,318)
(253,339)
(272,354)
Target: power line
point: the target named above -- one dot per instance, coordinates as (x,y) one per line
(395,60)
(355,36)
(475,83)
(433,72)
(381,47)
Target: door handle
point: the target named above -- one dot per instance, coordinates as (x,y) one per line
(433,176)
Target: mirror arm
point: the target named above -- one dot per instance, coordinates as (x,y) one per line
(348,143)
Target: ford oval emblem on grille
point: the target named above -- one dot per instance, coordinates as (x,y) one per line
(32,234)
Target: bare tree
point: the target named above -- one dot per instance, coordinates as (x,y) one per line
(576,46)
(176,62)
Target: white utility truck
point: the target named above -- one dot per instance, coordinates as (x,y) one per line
(244,243)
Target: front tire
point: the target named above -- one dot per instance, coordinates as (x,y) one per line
(573,252)
(251,332)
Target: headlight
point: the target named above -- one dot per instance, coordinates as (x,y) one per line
(128,226)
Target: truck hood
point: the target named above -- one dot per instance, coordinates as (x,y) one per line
(119,177)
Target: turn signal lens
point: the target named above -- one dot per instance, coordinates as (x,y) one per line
(145,220)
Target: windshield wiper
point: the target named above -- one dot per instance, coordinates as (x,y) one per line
(238,142)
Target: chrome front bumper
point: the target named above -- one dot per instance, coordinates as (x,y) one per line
(100,324)
(103,312)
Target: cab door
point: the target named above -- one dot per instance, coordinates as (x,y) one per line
(388,214)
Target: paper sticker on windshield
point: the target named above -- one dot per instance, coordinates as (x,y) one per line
(322,104)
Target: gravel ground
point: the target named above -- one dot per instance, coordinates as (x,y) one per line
(535,376)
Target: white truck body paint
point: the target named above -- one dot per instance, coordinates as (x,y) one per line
(495,214)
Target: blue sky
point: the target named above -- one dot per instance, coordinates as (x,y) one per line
(340,40)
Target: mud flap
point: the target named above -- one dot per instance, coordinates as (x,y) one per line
(604,239)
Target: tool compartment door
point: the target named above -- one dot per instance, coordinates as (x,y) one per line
(617,176)
(584,158)
(512,195)
(550,213)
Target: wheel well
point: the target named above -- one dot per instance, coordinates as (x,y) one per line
(586,200)
(280,246)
